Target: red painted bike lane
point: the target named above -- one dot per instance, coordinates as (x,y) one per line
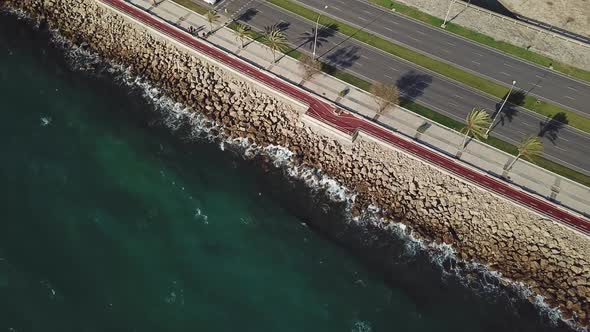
(350,124)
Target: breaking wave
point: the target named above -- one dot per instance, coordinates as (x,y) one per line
(195,126)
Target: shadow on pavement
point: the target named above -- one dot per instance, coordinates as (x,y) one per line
(247,15)
(412,85)
(282,25)
(343,57)
(552,125)
(510,110)
(308,37)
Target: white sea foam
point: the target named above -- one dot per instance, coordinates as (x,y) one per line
(45,121)
(175,116)
(199,215)
(361,326)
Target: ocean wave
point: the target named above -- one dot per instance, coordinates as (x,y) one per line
(477,277)
(179,118)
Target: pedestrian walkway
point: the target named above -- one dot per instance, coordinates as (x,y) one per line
(483,157)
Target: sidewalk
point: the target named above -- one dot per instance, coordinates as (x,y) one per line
(486,158)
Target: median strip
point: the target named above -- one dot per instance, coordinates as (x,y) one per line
(486,40)
(546,109)
(427,112)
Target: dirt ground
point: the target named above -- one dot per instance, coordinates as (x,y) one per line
(571,15)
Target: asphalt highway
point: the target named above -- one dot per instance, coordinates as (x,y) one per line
(563,144)
(541,82)
(348,123)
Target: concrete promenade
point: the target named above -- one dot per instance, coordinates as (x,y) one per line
(351,124)
(488,159)
(563,144)
(484,157)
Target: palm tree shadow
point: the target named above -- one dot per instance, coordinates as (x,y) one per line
(510,110)
(412,85)
(343,57)
(283,26)
(247,15)
(308,37)
(552,125)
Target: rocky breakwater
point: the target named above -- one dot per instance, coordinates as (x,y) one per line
(550,259)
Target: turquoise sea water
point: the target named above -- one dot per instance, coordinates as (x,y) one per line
(111,222)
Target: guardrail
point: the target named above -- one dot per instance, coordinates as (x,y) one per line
(351,123)
(533,25)
(553,28)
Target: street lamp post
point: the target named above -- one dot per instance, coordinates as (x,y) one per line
(315,38)
(501,107)
(444,25)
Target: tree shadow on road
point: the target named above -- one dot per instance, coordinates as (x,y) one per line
(283,26)
(343,57)
(247,15)
(552,125)
(510,110)
(308,37)
(412,85)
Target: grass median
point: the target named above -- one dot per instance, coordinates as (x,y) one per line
(432,115)
(546,109)
(486,40)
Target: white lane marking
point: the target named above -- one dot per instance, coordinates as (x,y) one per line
(558,148)
(364,56)
(394,69)
(539,76)
(421,32)
(527,124)
(536,84)
(367,12)
(568,97)
(565,139)
(457,96)
(452,104)
(445,50)
(507,65)
(334,7)
(572,88)
(477,63)
(479,54)
(388,29)
(452,44)
(388,76)
(416,39)
(363,18)
(504,73)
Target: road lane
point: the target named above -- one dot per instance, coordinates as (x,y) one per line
(541,82)
(563,144)
(350,123)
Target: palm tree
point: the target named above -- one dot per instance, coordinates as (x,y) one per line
(212,17)
(276,39)
(386,95)
(476,123)
(529,147)
(242,32)
(309,66)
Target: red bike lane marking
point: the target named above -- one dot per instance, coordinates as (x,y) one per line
(350,124)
